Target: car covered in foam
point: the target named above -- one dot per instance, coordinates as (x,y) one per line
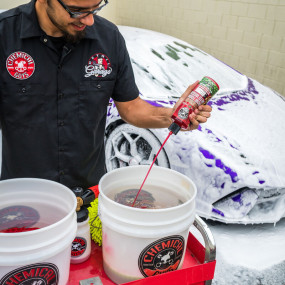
(236,159)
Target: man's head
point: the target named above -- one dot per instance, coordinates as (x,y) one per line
(67,18)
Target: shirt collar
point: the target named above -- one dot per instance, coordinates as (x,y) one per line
(29,22)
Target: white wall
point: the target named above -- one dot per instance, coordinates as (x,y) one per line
(249,35)
(108,12)
(7,4)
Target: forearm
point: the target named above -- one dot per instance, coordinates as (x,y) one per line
(142,114)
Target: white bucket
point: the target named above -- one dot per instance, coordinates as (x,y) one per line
(40,256)
(138,243)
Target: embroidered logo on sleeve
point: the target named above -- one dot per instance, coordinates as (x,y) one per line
(20,65)
(99,65)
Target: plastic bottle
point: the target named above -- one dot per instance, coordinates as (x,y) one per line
(81,245)
(200,95)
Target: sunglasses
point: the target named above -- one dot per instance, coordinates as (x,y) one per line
(78,14)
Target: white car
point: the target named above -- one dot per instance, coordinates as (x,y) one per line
(236,159)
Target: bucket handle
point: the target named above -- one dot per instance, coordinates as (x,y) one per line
(210,245)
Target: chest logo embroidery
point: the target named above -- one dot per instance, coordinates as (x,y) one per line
(99,65)
(20,65)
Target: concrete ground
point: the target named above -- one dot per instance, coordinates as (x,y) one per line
(249,254)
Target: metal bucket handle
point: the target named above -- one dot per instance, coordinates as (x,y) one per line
(210,245)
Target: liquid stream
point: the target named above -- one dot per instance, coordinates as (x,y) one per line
(135,200)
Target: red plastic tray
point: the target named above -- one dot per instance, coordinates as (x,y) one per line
(193,271)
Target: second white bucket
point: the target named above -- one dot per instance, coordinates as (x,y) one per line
(42,255)
(138,243)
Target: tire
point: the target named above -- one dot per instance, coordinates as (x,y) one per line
(128,145)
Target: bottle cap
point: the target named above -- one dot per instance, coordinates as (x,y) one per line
(174,128)
(82,215)
(78,191)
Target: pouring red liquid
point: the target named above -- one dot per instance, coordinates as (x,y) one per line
(200,95)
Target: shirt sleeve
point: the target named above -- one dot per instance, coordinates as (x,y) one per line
(125,87)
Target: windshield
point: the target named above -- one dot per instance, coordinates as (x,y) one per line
(164,66)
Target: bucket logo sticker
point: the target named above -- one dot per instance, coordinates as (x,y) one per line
(99,65)
(20,65)
(18,216)
(33,274)
(78,246)
(161,256)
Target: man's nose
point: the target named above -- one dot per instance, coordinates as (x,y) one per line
(88,20)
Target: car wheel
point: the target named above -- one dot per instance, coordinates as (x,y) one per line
(128,145)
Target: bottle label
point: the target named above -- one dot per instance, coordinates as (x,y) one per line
(210,84)
(204,91)
(181,114)
(200,95)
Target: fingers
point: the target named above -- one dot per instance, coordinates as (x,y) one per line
(194,123)
(203,112)
(200,115)
(206,108)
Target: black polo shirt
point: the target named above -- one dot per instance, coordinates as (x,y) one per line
(53,103)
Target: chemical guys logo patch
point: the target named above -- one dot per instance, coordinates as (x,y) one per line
(161,256)
(99,65)
(33,274)
(78,246)
(20,65)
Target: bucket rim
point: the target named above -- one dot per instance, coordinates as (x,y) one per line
(58,223)
(148,210)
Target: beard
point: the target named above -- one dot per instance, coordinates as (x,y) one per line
(68,37)
(73,39)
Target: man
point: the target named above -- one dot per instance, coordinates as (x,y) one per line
(63,64)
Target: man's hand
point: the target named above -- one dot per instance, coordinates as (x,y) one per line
(200,115)
(143,115)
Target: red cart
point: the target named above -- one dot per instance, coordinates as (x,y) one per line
(198,267)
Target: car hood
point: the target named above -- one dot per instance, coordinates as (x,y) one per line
(165,66)
(239,153)
(240,147)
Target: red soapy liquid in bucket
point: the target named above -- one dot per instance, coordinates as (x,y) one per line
(18,230)
(170,133)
